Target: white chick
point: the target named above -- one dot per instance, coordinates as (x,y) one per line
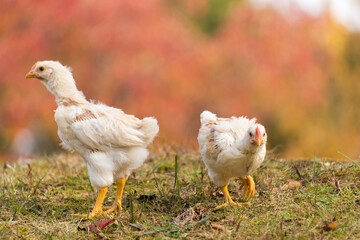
(111,142)
(231,148)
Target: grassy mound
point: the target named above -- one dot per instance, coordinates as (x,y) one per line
(293,199)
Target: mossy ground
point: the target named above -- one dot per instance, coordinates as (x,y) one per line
(294,200)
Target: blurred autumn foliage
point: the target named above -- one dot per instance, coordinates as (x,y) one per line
(173,59)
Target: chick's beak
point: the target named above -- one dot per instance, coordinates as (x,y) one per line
(31,74)
(258,141)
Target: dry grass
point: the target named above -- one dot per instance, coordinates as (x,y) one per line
(293,200)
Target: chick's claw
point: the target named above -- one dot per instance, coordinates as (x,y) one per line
(232,203)
(115,207)
(249,187)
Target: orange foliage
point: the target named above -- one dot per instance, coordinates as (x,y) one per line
(150,58)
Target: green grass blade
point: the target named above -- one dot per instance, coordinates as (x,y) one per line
(4,224)
(347,157)
(176,172)
(314,171)
(37,185)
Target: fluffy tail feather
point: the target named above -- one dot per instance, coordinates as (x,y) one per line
(150,128)
(206,117)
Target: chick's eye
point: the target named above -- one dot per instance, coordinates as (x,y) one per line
(250,134)
(41,69)
(264,135)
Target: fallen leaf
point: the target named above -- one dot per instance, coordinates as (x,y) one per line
(290,185)
(274,190)
(96,227)
(217,226)
(294,184)
(330,226)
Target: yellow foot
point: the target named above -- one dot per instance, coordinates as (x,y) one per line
(233,204)
(249,186)
(119,192)
(97,210)
(90,215)
(115,207)
(228,199)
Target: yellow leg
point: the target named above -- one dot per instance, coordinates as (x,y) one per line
(97,210)
(228,200)
(249,186)
(119,192)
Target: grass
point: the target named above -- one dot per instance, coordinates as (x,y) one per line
(172,197)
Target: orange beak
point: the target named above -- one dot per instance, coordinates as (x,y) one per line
(31,74)
(258,137)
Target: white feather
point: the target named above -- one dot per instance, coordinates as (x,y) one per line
(206,117)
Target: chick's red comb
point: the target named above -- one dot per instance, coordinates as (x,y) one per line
(257,134)
(33,67)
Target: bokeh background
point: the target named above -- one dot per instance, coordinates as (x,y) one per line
(295,65)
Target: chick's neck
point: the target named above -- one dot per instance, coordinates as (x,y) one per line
(65,92)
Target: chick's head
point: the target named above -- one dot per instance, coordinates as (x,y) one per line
(53,75)
(257,135)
